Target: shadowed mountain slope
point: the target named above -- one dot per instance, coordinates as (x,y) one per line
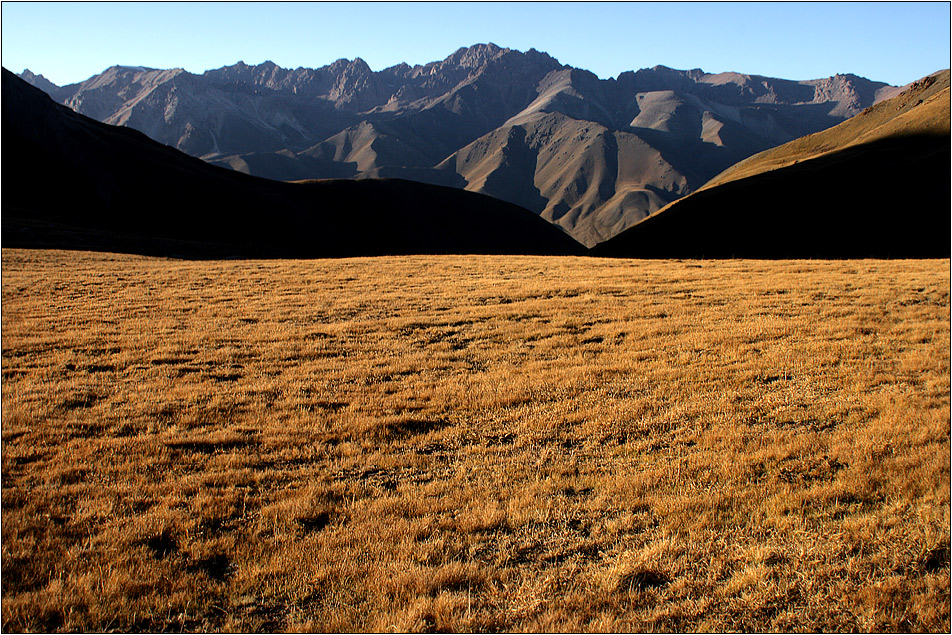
(591,180)
(877,185)
(921,108)
(612,152)
(72,182)
(593,156)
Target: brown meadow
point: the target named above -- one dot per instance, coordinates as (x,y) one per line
(474,443)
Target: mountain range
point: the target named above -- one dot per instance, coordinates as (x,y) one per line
(592,156)
(72,182)
(876,185)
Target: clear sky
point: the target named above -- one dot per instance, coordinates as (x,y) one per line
(895,42)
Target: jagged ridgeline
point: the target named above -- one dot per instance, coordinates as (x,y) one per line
(72,182)
(590,155)
(876,186)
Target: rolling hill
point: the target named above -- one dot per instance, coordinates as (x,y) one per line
(593,156)
(876,185)
(72,182)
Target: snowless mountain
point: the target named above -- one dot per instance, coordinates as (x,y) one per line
(117,190)
(875,186)
(593,156)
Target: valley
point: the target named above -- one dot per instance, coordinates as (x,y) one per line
(593,156)
(482,344)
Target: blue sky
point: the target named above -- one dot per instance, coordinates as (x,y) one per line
(895,42)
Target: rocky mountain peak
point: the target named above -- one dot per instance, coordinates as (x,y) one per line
(38,81)
(479,54)
(600,153)
(850,92)
(476,55)
(355,85)
(354,66)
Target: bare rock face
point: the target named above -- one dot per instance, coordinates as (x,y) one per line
(40,82)
(593,156)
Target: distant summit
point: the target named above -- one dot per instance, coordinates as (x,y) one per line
(39,81)
(874,186)
(117,190)
(590,155)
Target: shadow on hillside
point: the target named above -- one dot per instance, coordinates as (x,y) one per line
(72,182)
(885,199)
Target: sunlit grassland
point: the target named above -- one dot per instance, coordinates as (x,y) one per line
(474,443)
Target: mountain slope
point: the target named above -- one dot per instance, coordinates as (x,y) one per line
(598,155)
(620,150)
(591,180)
(895,117)
(876,185)
(72,182)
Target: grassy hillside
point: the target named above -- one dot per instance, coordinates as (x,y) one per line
(485,443)
(922,109)
(875,186)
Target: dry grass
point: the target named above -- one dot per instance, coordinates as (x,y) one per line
(922,109)
(474,443)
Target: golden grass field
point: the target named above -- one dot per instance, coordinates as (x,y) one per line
(474,443)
